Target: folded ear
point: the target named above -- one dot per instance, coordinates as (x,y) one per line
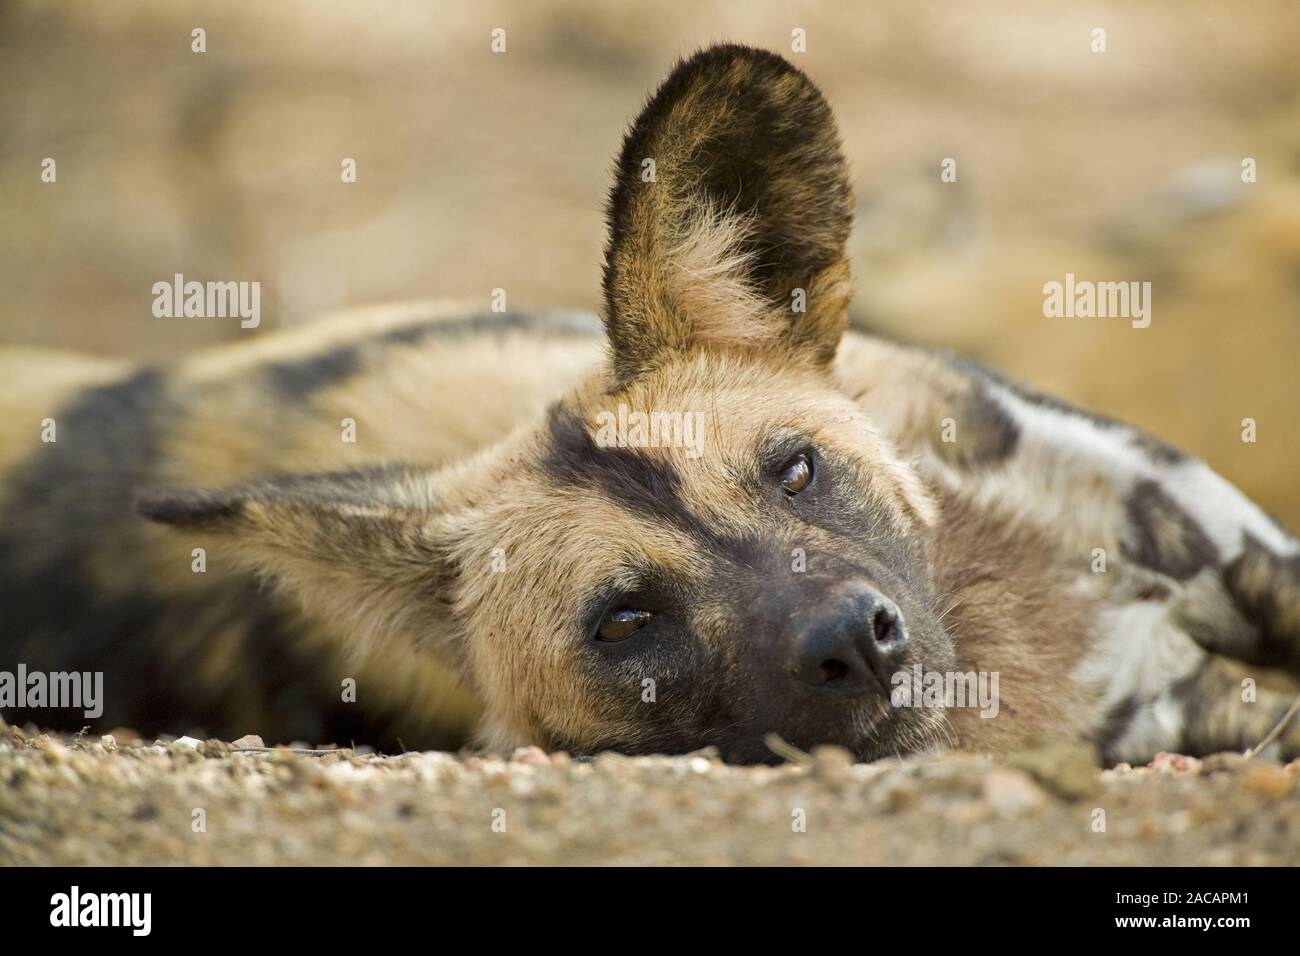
(729,214)
(368,548)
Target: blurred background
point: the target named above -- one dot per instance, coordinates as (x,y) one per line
(478,170)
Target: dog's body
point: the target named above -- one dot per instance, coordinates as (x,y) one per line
(90,586)
(506,568)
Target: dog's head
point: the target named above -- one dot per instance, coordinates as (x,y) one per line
(702,543)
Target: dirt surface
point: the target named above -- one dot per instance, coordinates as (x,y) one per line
(98,802)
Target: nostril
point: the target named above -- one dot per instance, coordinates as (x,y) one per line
(852,646)
(885,624)
(833,670)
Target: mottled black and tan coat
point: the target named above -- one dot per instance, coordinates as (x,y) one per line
(482,565)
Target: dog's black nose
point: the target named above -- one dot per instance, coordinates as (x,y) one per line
(853,644)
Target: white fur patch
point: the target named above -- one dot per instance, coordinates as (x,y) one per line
(1073,475)
(1223,511)
(1138,656)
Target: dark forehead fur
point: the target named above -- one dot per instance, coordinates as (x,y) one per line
(652,488)
(643,485)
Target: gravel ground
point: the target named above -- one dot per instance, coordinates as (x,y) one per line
(104,802)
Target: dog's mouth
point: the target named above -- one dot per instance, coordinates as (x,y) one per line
(869,730)
(899,733)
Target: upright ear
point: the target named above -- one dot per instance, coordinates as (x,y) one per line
(368,548)
(729,215)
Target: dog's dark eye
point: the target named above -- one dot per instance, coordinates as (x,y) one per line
(621,624)
(796,474)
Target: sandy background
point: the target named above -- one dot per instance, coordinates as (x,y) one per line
(478,170)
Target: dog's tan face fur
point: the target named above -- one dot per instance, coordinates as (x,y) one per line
(715,547)
(726,292)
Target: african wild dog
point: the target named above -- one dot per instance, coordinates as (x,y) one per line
(501,565)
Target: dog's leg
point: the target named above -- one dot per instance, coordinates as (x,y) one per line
(1177,532)
(1179,564)
(1224,705)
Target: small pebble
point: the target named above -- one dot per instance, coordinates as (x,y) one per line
(54,747)
(1227,761)
(1175,763)
(1068,768)
(1010,792)
(535,756)
(831,763)
(1267,780)
(248,742)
